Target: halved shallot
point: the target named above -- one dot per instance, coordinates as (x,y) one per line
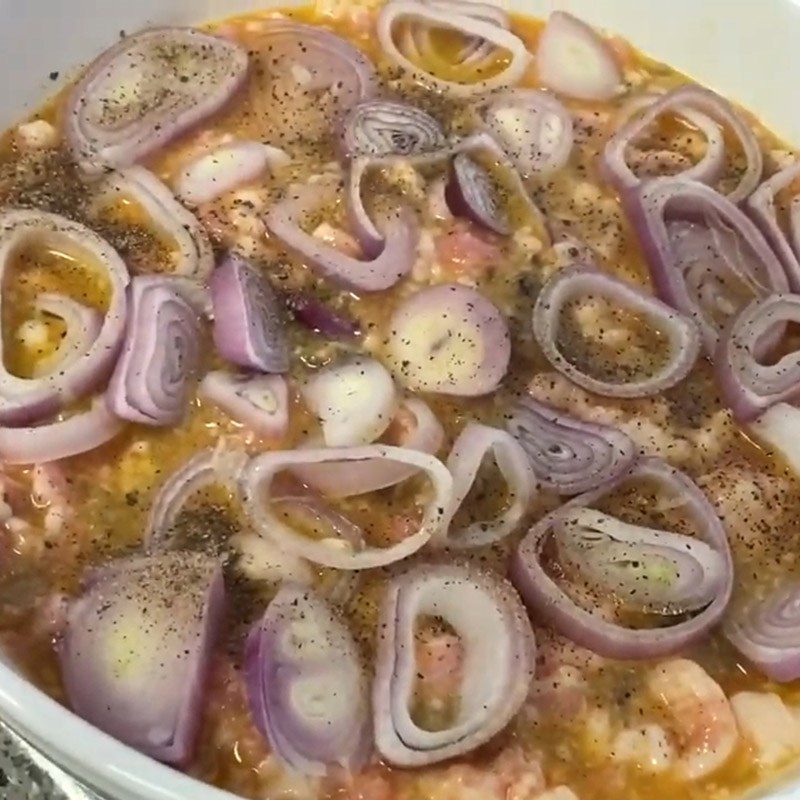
(217,466)
(226,168)
(460,20)
(146,90)
(645,563)
(471,193)
(766,630)
(26,400)
(749,387)
(151,381)
(136,651)
(194,255)
(534,129)
(573,59)
(678,101)
(354,401)
(473,446)
(335,551)
(51,441)
(569,456)
(419,429)
(706,257)
(399,235)
(763,205)
(486,614)
(449,339)
(306,686)
(259,402)
(248,326)
(681,334)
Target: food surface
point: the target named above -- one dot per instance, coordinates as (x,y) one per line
(396,403)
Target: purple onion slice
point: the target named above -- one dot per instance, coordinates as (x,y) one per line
(499,661)
(248,324)
(683,339)
(160,356)
(569,456)
(307,688)
(607,637)
(137,96)
(470,193)
(766,630)
(136,650)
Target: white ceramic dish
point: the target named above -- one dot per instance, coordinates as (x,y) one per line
(746,49)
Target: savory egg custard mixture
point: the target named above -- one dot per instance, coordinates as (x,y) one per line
(396,404)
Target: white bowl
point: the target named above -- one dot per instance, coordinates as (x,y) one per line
(746,49)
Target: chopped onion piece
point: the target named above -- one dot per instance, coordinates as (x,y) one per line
(260,402)
(320,318)
(79,433)
(248,328)
(470,449)
(354,401)
(471,194)
(573,59)
(307,688)
(228,167)
(766,630)
(609,638)
(500,658)
(138,96)
(683,339)
(333,552)
(569,456)
(160,356)
(449,339)
(26,400)
(425,434)
(136,651)
(435,16)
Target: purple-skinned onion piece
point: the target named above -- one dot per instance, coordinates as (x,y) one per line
(320,317)
(248,322)
(306,686)
(136,652)
(470,193)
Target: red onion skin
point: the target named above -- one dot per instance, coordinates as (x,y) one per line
(320,318)
(588,630)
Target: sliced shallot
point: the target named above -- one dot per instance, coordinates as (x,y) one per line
(334,552)
(573,59)
(422,432)
(160,357)
(76,434)
(248,328)
(449,339)
(694,98)
(354,401)
(569,456)
(215,466)
(749,387)
(228,167)
(470,193)
(499,661)
(148,89)
(321,318)
(682,337)
(399,234)
(82,327)
(706,257)
(654,571)
(606,637)
(534,129)
(763,205)
(26,400)
(766,630)
(136,651)
(306,686)
(259,402)
(435,16)
(473,445)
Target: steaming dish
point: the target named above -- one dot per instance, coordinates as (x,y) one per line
(396,403)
